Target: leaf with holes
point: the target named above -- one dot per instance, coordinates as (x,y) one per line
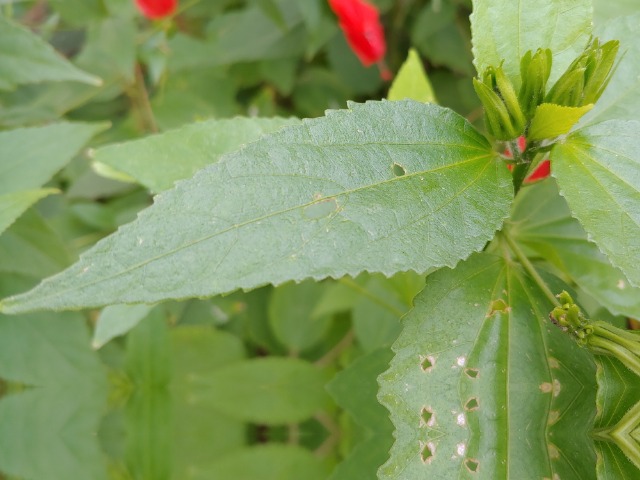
(384,186)
(482,384)
(504,30)
(598,172)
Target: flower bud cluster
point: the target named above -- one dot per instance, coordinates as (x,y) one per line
(599,337)
(507,114)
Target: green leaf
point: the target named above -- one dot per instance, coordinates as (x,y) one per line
(442,37)
(267,462)
(30,156)
(598,172)
(604,10)
(551,120)
(542,221)
(116,320)
(160,160)
(481,381)
(354,390)
(620,99)
(30,247)
(507,29)
(269,391)
(618,396)
(14,204)
(200,434)
(26,58)
(412,81)
(384,186)
(291,315)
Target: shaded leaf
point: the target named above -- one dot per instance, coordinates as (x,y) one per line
(14,204)
(269,391)
(507,29)
(26,58)
(30,156)
(384,186)
(116,320)
(160,160)
(542,221)
(268,462)
(598,172)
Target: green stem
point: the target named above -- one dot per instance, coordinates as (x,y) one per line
(531,270)
(602,345)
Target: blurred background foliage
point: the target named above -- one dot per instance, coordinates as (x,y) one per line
(276,383)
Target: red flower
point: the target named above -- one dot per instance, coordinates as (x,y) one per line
(156,9)
(541,172)
(360,23)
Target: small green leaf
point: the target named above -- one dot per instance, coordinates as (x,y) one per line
(269,391)
(412,81)
(30,156)
(504,30)
(160,160)
(291,315)
(542,221)
(116,320)
(598,172)
(551,120)
(26,58)
(255,216)
(14,204)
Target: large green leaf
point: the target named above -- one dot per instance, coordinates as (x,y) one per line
(26,58)
(30,156)
(116,320)
(598,172)
(620,100)
(160,160)
(482,382)
(384,186)
(542,221)
(507,29)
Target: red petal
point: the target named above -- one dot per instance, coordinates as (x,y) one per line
(155,9)
(360,23)
(542,171)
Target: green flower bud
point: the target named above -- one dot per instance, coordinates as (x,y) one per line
(503,116)
(599,337)
(534,71)
(587,76)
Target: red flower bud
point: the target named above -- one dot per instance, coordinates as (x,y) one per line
(360,23)
(156,9)
(542,171)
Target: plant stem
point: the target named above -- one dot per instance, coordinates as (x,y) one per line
(335,352)
(531,270)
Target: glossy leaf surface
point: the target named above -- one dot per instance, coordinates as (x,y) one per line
(384,186)
(507,29)
(483,385)
(598,172)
